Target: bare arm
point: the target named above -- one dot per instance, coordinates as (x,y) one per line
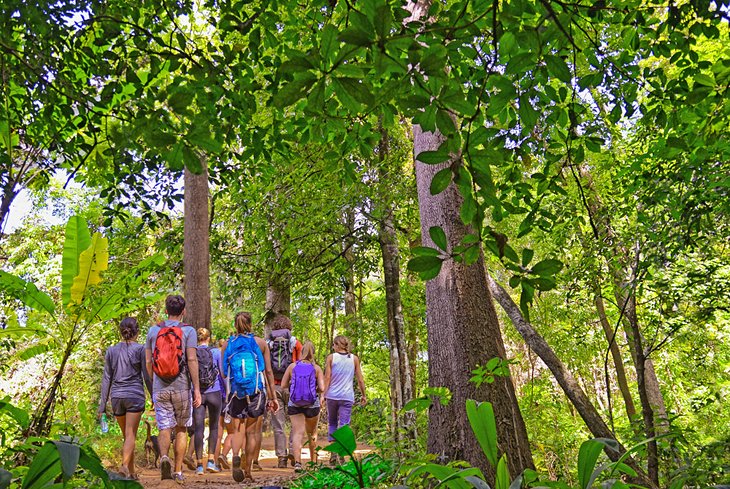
(268,373)
(192,358)
(320,379)
(360,380)
(148,362)
(327,373)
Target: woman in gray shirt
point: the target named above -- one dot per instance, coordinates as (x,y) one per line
(124,371)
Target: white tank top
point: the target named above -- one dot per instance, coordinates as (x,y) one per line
(343,372)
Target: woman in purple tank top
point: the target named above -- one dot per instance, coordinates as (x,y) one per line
(342,366)
(305,382)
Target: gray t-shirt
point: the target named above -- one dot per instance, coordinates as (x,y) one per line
(190,340)
(124,370)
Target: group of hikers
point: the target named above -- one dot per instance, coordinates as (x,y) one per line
(234,385)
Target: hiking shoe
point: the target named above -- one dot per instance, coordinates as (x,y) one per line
(165,468)
(199,470)
(238,474)
(292,461)
(255,466)
(282,463)
(212,467)
(334,460)
(179,478)
(297,467)
(223,462)
(189,462)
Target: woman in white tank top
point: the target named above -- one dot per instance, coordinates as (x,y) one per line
(341,368)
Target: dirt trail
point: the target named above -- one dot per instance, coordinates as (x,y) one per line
(270,476)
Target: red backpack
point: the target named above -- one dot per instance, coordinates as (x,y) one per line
(168,358)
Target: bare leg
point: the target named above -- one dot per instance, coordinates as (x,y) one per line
(253,442)
(130,437)
(181,438)
(221,430)
(260,428)
(164,438)
(311,428)
(297,429)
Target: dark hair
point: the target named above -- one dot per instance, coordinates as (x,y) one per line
(243,323)
(174,305)
(128,328)
(280,322)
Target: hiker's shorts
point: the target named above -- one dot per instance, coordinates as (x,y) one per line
(307,411)
(173,408)
(248,407)
(123,405)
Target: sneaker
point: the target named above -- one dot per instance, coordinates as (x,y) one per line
(212,467)
(334,460)
(189,462)
(165,468)
(292,461)
(238,474)
(179,478)
(282,463)
(223,462)
(199,470)
(297,467)
(255,466)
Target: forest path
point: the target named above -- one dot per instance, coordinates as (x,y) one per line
(268,478)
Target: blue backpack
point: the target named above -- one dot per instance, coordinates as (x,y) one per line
(303,389)
(245,366)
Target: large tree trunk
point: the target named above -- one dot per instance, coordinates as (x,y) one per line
(196,249)
(278,300)
(349,321)
(577,396)
(400,370)
(463,333)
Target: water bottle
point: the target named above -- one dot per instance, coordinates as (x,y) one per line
(104,424)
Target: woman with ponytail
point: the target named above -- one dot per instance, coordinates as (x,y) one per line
(124,373)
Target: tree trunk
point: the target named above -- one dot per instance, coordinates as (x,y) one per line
(463,333)
(196,249)
(400,370)
(278,301)
(578,398)
(623,384)
(349,321)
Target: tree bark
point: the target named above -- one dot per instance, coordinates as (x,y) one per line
(463,333)
(623,384)
(196,249)
(577,396)
(278,300)
(400,370)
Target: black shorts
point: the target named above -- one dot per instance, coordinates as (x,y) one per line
(307,411)
(248,407)
(124,405)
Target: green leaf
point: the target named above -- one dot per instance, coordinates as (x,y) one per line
(46,466)
(344,443)
(296,63)
(424,263)
(703,79)
(502,479)
(587,458)
(440,181)
(468,210)
(558,68)
(69,454)
(433,157)
(547,267)
(293,91)
(20,416)
(329,45)
(484,426)
(77,240)
(425,251)
(438,236)
(192,160)
(353,35)
(418,404)
(204,140)
(26,292)
(527,255)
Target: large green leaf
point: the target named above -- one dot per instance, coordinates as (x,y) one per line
(481,419)
(20,416)
(77,240)
(587,458)
(92,261)
(344,443)
(69,455)
(46,466)
(26,292)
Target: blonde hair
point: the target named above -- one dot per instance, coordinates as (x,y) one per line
(243,323)
(343,343)
(203,334)
(308,352)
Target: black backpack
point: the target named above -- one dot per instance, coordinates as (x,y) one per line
(281,351)
(207,368)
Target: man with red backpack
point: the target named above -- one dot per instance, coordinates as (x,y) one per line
(285,349)
(172,362)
